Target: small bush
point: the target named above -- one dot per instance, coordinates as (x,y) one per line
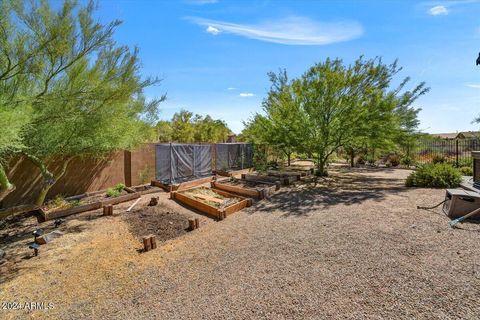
(466,171)
(437,158)
(465,162)
(119,187)
(439,175)
(113,192)
(407,161)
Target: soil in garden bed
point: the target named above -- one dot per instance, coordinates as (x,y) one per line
(210,197)
(55,205)
(164,224)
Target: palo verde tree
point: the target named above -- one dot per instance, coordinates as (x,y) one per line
(189,128)
(344,104)
(86,92)
(281,126)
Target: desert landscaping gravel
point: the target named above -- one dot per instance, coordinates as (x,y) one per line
(352,246)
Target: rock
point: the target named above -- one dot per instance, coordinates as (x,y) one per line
(2,254)
(46,238)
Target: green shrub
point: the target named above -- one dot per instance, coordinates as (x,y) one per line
(407,161)
(466,171)
(119,187)
(465,162)
(113,192)
(438,175)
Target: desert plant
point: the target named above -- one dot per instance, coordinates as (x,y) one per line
(435,175)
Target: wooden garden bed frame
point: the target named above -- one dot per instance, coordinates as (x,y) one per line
(183,185)
(246,191)
(233,173)
(286,174)
(272,179)
(211,210)
(45,216)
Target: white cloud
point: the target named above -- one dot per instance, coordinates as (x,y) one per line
(213,30)
(438,10)
(291,31)
(231,88)
(246,94)
(476,86)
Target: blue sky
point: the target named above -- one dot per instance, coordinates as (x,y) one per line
(214,55)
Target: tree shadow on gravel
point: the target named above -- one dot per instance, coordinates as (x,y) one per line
(345,189)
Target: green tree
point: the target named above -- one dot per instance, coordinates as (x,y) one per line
(282,125)
(187,127)
(86,92)
(183,127)
(164,131)
(346,104)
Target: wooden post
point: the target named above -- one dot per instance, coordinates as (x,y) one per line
(108,210)
(147,244)
(191,224)
(153,242)
(197,223)
(153,201)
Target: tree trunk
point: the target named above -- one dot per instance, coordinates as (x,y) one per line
(321,172)
(48,178)
(288,158)
(352,157)
(5,186)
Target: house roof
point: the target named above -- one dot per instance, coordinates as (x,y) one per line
(457,135)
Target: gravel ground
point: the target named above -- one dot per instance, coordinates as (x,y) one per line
(351,246)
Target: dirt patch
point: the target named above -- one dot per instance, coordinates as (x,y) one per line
(164,224)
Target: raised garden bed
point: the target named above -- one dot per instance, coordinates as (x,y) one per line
(287,174)
(272,179)
(146,189)
(232,173)
(255,189)
(158,221)
(183,185)
(213,202)
(81,204)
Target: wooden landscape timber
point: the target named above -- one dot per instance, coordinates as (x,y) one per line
(45,216)
(233,173)
(17,210)
(272,179)
(218,213)
(286,174)
(247,191)
(183,185)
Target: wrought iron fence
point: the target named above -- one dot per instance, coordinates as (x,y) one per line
(457,152)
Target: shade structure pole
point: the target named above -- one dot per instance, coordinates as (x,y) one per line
(171,165)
